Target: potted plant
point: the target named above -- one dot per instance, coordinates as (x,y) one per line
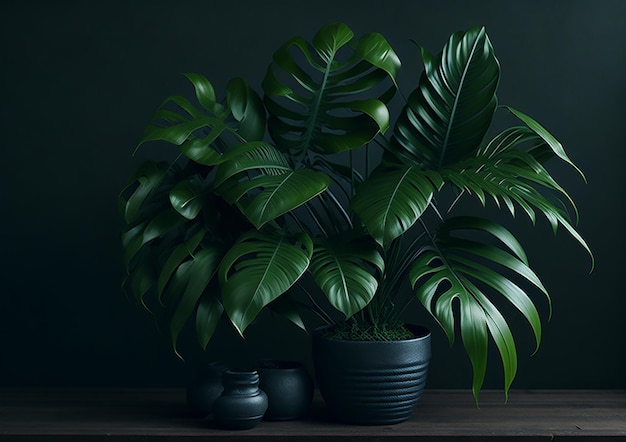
(304,197)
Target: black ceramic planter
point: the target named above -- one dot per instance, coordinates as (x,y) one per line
(205,387)
(371,382)
(289,389)
(242,404)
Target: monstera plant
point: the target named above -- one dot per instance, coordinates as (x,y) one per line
(314,196)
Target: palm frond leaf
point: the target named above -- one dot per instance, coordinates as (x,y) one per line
(514,177)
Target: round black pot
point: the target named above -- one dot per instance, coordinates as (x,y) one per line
(289,389)
(371,382)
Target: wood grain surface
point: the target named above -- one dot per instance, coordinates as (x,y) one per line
(161,415)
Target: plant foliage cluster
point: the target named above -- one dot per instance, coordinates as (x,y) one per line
(314,185)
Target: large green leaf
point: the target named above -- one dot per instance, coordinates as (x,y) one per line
(546,136)
(514,177)
(393,198)
(208,315)
(248,157)
(469,270)
(187,198)
(176,257)
(259,179)
(321,100)
(281,194)
(449,113)
(159,226)
(247,109)
(197,130)
(344,269)
(143,184)
(258,269)
(191,279)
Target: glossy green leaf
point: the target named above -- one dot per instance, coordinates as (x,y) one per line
(449,113)
(257,270)
(187,198)
(247,108)
(208,315)
(265,197)
(200,150)
(254,156)
(320,100)
(179,133)
(195,275)
(283,193)
(204,91)
(513,176)
(162,224)
(140,280)
(345,270)
(469,270)
(473,325)
(393,198)
(180,122)
(147,179)
(547,137)
(178,255)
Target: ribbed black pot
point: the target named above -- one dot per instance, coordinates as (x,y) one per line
(371,382)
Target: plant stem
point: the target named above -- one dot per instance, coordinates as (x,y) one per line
(317,309)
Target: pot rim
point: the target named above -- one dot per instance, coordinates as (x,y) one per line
(421,332)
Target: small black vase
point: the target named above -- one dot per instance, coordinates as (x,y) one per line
(289,389)
(205,387)
(242,404)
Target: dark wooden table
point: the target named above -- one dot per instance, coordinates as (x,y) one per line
(160,415)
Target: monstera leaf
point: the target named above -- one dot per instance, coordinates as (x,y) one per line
(449,113)
(343,269)
(187,286)
(393,198)
(320,100)
(273,190)
(257,270)
(199,131)
(141,190)
(187,197)
(147,209)
(469,271)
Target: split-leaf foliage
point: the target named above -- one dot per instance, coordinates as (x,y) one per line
(275,200)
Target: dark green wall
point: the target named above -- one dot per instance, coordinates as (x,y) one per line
(80,79)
